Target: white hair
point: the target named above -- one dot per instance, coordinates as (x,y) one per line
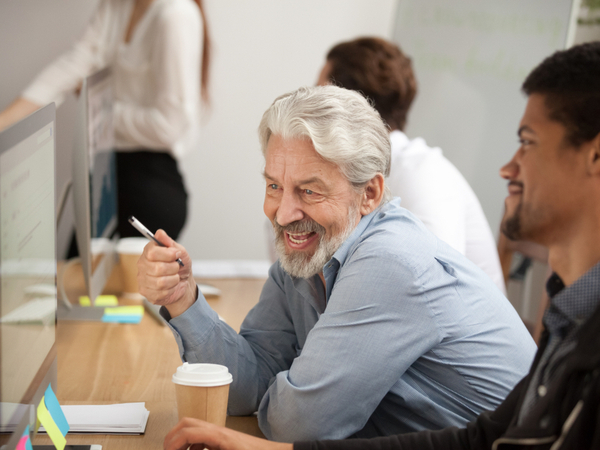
(341,124)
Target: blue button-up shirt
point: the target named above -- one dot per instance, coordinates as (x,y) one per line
(406,335)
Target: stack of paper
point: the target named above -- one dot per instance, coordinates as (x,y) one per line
(122,418)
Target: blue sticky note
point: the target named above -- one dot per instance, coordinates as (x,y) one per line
(56,411)
(28,445)
(121,318)
(25,442)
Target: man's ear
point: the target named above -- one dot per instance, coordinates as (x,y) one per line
(593,156)
(372,195)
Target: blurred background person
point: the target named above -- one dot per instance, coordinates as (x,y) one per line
(428,184)
(159,52)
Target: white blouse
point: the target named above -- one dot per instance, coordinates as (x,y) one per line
(156,74)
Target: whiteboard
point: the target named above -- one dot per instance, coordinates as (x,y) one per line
(470,58)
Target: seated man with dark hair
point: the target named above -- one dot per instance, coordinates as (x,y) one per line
(554,200)
(427,183)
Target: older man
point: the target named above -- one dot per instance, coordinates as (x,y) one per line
(368,325)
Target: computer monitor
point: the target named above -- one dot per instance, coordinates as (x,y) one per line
(94,182)
(27,271)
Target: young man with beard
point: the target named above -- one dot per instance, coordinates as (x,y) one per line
(554,200)
(368,325)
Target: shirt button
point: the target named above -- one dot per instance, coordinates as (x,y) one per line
(542,390)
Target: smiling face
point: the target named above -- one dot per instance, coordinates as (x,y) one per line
(312,207)
(546,180)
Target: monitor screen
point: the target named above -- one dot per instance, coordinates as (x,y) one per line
(94,184)
(27,269)
(103,182)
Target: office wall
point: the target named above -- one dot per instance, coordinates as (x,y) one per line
(469,101)
(262,48)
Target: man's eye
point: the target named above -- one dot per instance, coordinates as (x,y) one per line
(273,186)
(524,141)
(308,192)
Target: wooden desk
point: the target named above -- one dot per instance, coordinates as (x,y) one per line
(102,363)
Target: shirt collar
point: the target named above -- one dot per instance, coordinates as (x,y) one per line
(399,140)
(338,259)
(342,253)
(574,304)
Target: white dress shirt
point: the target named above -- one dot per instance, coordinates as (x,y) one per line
(436,192)
(156,74)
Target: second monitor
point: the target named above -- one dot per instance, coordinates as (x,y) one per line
(94,182)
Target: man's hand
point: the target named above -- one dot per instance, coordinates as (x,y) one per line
(162,280)
(199,435)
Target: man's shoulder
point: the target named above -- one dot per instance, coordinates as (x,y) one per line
(394,233)
(424,165)
(396,226)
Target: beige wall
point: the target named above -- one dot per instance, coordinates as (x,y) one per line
(262,48)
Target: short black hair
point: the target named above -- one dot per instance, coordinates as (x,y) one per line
(380,71)
(570,82)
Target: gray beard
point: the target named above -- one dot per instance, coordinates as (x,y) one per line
(301,265)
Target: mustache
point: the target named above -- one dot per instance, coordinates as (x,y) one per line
(515,183)
(299,226)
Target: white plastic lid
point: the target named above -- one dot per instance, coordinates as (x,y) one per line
(202,375)
(101,245)
(131,245)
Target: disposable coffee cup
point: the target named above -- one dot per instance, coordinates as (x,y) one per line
(202,392)
(130,249)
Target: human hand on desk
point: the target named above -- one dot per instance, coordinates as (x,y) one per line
(199,435)
(162,280)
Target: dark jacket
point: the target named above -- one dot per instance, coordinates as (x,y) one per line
(567,417)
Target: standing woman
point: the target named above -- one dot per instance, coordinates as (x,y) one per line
(159,54)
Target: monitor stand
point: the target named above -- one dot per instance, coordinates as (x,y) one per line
(77,312)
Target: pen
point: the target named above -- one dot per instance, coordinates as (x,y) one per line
(147,233)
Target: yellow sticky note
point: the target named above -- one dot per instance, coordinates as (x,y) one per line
(44,416)
(101,300)
(133,310)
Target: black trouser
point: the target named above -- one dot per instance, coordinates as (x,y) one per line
(150,188)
